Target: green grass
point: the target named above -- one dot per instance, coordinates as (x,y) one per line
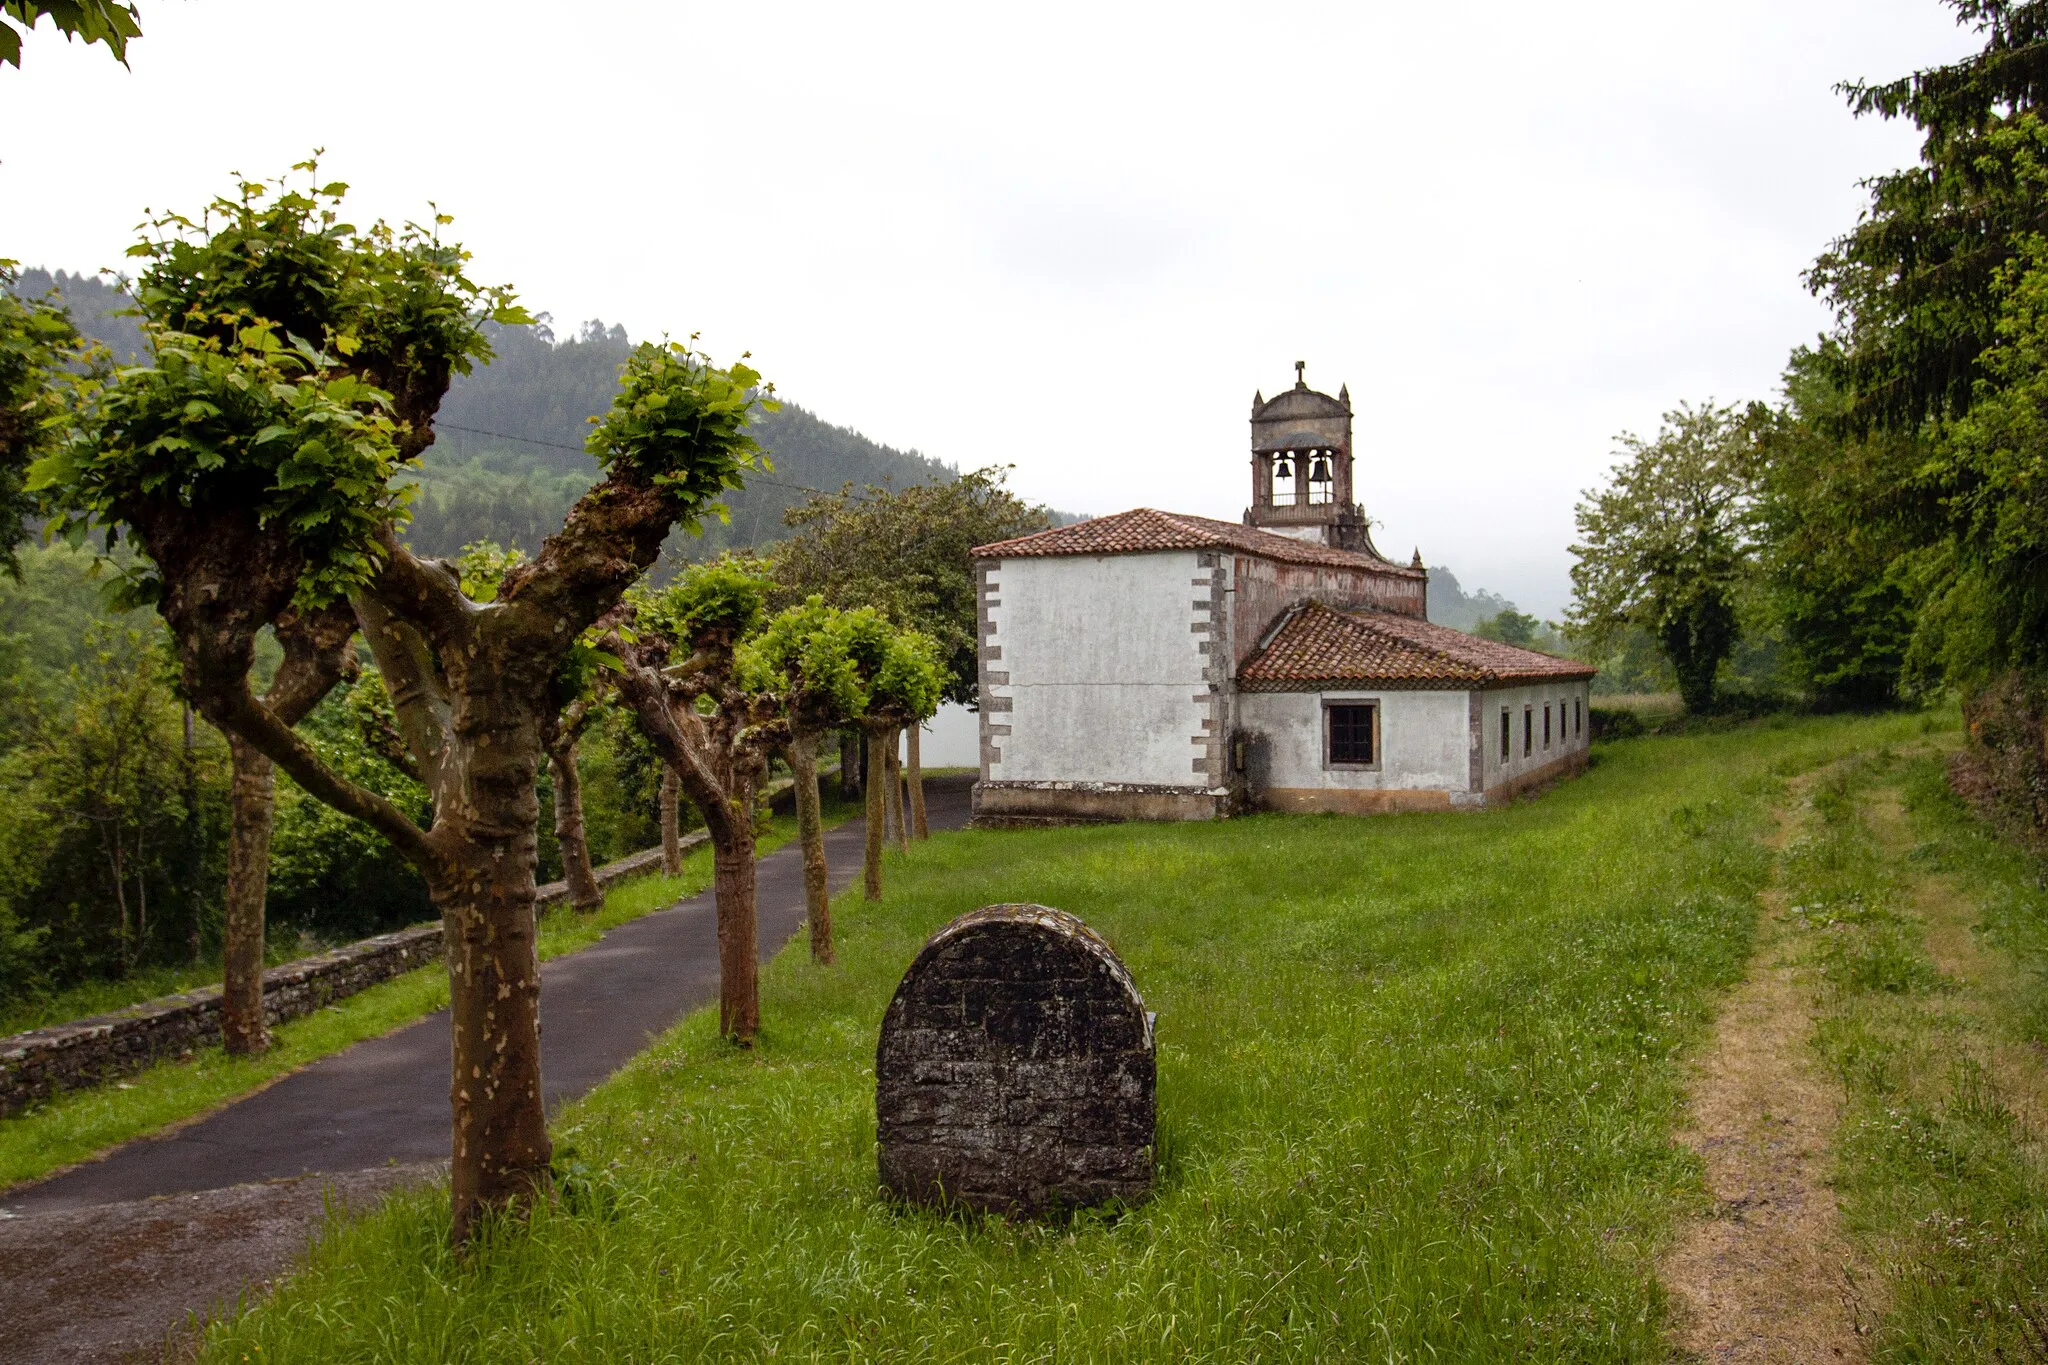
(1418,1081)
(78,1125)
(1941,1173)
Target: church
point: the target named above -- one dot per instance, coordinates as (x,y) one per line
(1158,666)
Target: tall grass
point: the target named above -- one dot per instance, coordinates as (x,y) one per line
(1417,1083)
(1940,1165)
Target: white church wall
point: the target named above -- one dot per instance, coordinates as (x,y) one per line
(1424,748)
(1537,761)
(1100,666)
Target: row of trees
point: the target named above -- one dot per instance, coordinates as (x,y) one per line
(250,472)
(1888,518)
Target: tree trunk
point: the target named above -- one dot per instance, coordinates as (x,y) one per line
(584,892)
(253,803)
(878,788)
(671,824)
(918,826)
(810,825)
(850,759)
(500,1150)
(897,829)
(739,998)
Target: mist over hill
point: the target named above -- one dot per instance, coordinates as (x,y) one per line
(508,459)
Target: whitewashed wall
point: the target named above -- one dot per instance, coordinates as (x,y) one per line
(1103,664)
(1425,739)
(1515,700)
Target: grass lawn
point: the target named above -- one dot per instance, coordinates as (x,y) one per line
(1418,1081)
(1926,939)
(73,1127)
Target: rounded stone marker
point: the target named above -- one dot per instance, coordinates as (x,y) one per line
(1015,1071)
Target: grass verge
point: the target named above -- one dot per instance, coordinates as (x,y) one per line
(1929,941)
(1417,1086)
(81,1124)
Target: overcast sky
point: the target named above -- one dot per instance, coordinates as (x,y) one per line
(1074,238)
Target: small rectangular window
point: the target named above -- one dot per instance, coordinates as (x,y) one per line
(1528,731)
(1351,735)
(1578,716)
(1546,726)
(1507,729)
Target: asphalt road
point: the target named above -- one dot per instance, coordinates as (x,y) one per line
(111,1257)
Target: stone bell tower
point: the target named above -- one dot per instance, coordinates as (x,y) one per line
(1301,468)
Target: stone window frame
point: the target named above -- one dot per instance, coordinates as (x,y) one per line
(1379,752)
(1528,729)
(1546,725)
(1507,735)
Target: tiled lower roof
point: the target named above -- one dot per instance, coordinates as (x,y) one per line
(1318,646)
(1143,529)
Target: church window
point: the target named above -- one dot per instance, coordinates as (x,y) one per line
(1507,729)
(1352,734)
(1546,726)
(1528,731)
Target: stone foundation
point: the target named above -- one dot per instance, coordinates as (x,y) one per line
(1006,804)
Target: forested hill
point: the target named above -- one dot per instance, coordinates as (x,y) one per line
(508,459)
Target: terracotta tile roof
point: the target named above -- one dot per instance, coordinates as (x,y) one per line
(1143,529)
(1318,646)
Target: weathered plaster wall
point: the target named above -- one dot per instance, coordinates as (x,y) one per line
(1424,744)
(1100,660)
(1265,591)
(1542,761)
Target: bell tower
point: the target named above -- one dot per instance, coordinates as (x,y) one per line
(1301,468)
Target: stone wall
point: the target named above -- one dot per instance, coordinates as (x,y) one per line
(42,1062)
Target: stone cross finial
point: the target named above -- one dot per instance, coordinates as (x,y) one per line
(1300,379)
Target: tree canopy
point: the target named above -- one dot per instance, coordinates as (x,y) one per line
(907,552)
(93,21)
(1667,547)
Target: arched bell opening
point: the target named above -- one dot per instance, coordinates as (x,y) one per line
(1322,478)
(1283,484)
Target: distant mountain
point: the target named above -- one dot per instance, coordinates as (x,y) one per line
(508,459)
(1450,605)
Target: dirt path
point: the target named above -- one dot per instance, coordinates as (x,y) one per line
(1766,1277)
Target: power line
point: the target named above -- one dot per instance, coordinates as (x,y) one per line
(559,445)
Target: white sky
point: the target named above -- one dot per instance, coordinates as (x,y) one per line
(1074,238)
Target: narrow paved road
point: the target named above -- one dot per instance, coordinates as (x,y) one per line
(109,1257)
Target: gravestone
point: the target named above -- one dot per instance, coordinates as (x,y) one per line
(1015,1072)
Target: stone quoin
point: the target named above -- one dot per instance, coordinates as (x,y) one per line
(1015,1072)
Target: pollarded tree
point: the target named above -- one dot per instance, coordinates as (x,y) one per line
(318,654)
(1669,545)
(255,475)
(483,566)
(906,682)
(824,665)
(678,669)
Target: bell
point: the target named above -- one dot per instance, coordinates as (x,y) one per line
(1319,472)
(1284,469)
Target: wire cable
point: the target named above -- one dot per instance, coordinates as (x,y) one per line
(560,445)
